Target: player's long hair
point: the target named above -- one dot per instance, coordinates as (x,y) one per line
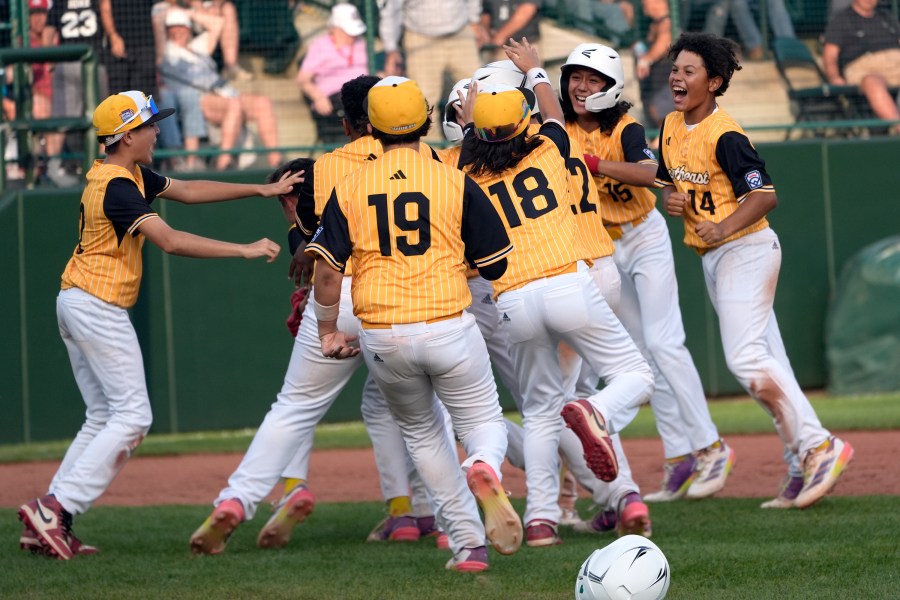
(607,119)
(720,55)
(353,97)
(493,158)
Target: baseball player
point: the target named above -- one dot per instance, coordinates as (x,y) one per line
(591,83)
(408,225)
(713,178)
(283,443)
(547,295)
(623,506)
(100,283)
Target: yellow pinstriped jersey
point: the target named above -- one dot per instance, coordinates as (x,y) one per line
(408,224)
(620,202)
(449,155)
(587,206)
(333,167)
(107,261)
(535,201)
(716,165)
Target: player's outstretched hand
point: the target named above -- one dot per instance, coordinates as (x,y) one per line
(339,345)
(675,203)
(285,185)
(264,247)
(523,54)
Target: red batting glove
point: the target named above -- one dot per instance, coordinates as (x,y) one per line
(593,163)
(298,303)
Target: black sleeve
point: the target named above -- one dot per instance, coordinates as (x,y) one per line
(741,163)
(332,238)
(124,204)
(634,144)
(295,239)
(662,173)
(306,207)
(487,243)
(154,183)
(558,135)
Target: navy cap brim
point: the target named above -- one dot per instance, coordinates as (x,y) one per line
(166,112)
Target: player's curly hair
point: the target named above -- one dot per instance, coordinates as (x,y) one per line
(292,166)
(387,139)
(607,119)
(493,158)
(353,97)
(720,55)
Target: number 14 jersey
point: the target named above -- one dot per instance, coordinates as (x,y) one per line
(716,165)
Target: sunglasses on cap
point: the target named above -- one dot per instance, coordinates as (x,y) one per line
(151,106)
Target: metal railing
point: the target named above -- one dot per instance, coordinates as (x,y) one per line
(24,126)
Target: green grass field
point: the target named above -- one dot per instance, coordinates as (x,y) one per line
(843,548)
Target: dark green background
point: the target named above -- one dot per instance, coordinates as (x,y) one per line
(224,320)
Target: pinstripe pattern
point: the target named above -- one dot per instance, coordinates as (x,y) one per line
(400,288)
(591,232)
(690,157)
(609,147)
(100,265)
(546,245)
(333,167)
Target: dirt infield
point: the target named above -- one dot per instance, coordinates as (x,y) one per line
(349,475)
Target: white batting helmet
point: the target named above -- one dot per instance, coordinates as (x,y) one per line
(452,130)
(505,72)
(605,61)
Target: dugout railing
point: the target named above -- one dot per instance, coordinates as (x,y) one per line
(24,126)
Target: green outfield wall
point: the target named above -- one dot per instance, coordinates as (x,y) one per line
(213,335)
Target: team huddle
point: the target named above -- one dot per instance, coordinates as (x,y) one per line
(532,246)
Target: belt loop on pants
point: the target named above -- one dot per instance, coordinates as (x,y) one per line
(616,231)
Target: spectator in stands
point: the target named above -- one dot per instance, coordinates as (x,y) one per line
(717,14)
(439,36)
(613,20)
(42,86)
(504,19)
(862,47)
(229,38)
(652,65)
(333,59)
(130,62)
(191,80)
(71,22)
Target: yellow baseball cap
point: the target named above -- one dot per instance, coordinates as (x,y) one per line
(501,113)
(126,111)
(397,106)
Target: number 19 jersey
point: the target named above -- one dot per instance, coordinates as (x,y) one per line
(409,223)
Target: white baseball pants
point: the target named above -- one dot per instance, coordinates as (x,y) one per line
(566,308)
(650,312)
(413,362)
(109,370)
(741,277)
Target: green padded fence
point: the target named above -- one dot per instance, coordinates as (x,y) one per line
(213,332)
